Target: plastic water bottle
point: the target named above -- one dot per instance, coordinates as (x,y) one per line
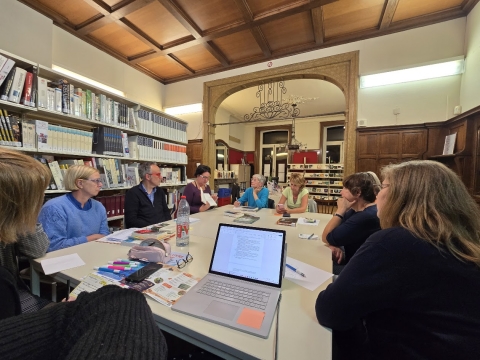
(183,222)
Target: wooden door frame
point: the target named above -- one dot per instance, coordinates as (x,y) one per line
(341,70)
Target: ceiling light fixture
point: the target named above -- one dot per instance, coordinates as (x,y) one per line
(184,109)
(88,80)
(448,68)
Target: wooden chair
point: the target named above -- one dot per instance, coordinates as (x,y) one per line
(326,206)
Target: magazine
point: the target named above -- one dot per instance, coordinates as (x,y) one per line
(308,221)
(246,208)
(287,221)
(246,219)
(165,286)
(234,214)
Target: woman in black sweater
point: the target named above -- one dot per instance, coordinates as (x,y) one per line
(416,283)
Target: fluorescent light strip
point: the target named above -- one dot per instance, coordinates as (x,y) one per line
(413,74)
(87,80)
(185,109)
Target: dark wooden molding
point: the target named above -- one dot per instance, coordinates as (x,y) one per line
(217,53)
(388,13)
(468,5)
(317,24)
(182,18)
(180,62)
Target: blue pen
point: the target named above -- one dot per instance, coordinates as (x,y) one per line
(297,271)
(106,269)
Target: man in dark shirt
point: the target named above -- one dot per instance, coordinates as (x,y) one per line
(145,204)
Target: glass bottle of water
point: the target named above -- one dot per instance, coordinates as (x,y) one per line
(183,222)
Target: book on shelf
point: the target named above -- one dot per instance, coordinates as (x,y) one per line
(449,144)
(27,90)
(41,129)
(18,83)
(28,134)
(287,221)
(52,185)
(5,70)
(5,130)
(16,130)
(246,219)
(7,85)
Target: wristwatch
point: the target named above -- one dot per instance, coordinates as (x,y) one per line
(340,216)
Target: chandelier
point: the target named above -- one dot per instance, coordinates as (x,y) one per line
(271,104)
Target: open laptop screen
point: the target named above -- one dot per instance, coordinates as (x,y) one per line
(249,253)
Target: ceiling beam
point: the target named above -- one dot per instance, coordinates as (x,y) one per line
(388,13)
(317,23)
(255,30)
(262,19)
(180,62)
(110,14)
(182,17)
(217,53)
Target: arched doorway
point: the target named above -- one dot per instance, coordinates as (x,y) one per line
(341,70)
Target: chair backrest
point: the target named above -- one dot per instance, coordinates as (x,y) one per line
(235,192)
(312,206)
(271,204)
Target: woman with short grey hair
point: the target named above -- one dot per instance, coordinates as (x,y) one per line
(256,195)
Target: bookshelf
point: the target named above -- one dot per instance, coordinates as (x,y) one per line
(149,134)
(324,181)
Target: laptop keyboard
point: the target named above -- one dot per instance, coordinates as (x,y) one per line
(234,293)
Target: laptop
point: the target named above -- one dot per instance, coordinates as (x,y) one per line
(243,285)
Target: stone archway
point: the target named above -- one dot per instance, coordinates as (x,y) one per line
(341,70)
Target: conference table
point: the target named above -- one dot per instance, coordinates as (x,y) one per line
(299,334)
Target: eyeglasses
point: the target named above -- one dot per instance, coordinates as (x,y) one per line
(182,263)
(155,174)
(97,181)
(205,177)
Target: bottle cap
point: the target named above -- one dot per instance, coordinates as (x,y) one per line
(183,197)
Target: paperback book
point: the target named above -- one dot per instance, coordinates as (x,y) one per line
(234,214)
(287,221)
(246,219)
(246,208)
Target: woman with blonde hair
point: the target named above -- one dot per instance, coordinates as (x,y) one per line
(75,218)
(415,283)
(295,197)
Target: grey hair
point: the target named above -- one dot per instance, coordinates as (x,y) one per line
(260,178)
(144,169)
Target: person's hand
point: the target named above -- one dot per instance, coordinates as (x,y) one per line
(70,298)
(256,190)
(94,237)
(205,207)
(236,204)
(215,197)
(280,209)
(343,205)
(337,254)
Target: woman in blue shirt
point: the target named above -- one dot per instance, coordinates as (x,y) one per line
(256,195)
(75,218)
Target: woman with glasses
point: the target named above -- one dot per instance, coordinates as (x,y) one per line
(194,191)
(414,284)
(75,218)
(355,220)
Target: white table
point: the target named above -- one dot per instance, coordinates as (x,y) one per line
(300,335)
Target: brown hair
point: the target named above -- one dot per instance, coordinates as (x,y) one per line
(76,172)
(23,181)
(430,201)
(298,179)
(363,184)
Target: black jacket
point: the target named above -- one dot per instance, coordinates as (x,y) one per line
(139,210)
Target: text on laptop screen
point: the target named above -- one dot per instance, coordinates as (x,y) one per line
(249,253)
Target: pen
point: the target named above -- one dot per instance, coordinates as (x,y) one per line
(106,269)
(117,267)
(296,270)
(310,236)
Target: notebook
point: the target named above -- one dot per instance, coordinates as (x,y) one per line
(243,284)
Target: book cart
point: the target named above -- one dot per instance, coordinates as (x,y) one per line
(85,113)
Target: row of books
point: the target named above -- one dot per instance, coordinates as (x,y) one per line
(9,129)
(142,147)
(169,175)
(17,85)
(157,125)
(63,97)
(114,204)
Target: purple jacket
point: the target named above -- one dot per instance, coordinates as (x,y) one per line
(193,196)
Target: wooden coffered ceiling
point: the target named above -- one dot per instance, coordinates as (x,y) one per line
(174,40)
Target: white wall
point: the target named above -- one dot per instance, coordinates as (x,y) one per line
(470,88)
(78,56)
(25,32)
